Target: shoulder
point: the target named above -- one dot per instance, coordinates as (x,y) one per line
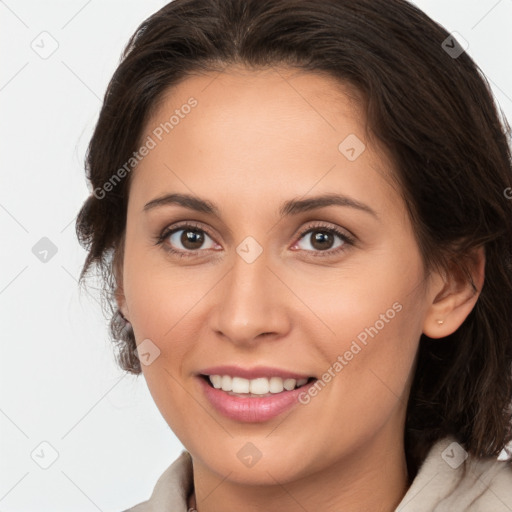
(452,480)
(171,489)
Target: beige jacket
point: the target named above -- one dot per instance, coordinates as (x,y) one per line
(439,486)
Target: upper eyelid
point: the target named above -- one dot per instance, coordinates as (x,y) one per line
(329,227)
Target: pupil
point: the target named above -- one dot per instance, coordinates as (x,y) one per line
(320,239)
(192,239)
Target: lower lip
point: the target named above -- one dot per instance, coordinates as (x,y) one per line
(252,410)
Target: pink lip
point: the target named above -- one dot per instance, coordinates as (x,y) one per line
(251,410)
(252,373)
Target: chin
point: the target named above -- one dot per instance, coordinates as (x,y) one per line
(246,464)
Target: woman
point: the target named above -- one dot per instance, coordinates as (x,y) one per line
(300,211)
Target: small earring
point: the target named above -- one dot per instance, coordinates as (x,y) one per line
(440,322)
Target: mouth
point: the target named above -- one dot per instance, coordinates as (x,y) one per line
(260,387)
(254,400)
(252,394)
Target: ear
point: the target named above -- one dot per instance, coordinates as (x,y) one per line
(121,302)
(453,295)
(117,267)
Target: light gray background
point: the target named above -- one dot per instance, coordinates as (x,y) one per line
(59,382)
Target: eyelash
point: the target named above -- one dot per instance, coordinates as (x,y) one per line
(347,240)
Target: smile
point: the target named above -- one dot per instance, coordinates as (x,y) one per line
(263,386)
(253,400)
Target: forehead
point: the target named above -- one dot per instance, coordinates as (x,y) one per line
(269,97)
(259,131)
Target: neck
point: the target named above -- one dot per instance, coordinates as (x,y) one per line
(372,478)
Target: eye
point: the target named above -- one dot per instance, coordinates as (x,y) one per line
(186,240)
(324,239)
(190,239)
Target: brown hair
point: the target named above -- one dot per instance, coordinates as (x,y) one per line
(431,108)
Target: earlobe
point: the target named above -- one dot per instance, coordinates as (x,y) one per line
(454,295)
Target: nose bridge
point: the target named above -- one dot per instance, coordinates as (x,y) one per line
(250,303)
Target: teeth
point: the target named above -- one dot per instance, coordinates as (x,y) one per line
(216,380)
(239,385)
(275,385)
(259,386)
(226,383)
(289,384)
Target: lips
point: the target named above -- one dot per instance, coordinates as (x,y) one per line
(252,395)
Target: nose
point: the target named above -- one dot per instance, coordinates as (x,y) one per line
(251,303)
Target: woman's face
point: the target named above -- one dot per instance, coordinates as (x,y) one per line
(270,281)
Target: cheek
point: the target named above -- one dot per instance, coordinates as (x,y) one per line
(378,297)
(164,314)
(374,317)
(159,294)
(163,303)
(371,387)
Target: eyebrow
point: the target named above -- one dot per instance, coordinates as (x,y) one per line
(291,207)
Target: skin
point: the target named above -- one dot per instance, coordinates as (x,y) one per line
(258,138)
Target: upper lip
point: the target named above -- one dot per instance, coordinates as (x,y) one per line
(252,373)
